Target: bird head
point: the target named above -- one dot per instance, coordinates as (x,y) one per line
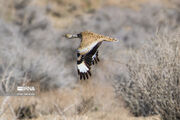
(68,36)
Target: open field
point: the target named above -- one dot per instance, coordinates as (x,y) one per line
(137,78)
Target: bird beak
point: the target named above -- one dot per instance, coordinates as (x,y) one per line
(70,36)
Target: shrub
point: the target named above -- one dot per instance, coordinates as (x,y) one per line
(154,73)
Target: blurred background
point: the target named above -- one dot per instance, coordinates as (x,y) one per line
(33,49)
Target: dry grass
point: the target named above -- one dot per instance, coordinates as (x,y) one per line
(62,12)
(154,86)
(87,101)
(32,50)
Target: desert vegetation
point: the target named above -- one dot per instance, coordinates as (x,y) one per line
(153,87)
(137,78)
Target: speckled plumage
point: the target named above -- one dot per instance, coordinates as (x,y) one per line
(87,53)
(88,38)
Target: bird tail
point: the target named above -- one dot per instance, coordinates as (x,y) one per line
(109,39)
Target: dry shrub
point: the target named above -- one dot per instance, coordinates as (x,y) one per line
(154,86)
(27,112)
(86,105)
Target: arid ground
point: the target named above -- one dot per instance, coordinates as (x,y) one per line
(137,77)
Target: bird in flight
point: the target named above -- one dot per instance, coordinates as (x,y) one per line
(87,53)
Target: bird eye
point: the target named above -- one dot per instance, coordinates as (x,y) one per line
(79,35)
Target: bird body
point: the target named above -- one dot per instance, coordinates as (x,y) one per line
(87,53)
(90,39)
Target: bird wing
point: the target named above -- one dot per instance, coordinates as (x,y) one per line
(85,61)
(95,58)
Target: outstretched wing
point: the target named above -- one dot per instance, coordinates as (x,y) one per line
(83,67)
(95,58)
(85,61)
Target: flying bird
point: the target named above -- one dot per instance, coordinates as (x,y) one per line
(87,53)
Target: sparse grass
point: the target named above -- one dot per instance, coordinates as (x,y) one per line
(154,86)
(88,101)
(62,12)
(32,52)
